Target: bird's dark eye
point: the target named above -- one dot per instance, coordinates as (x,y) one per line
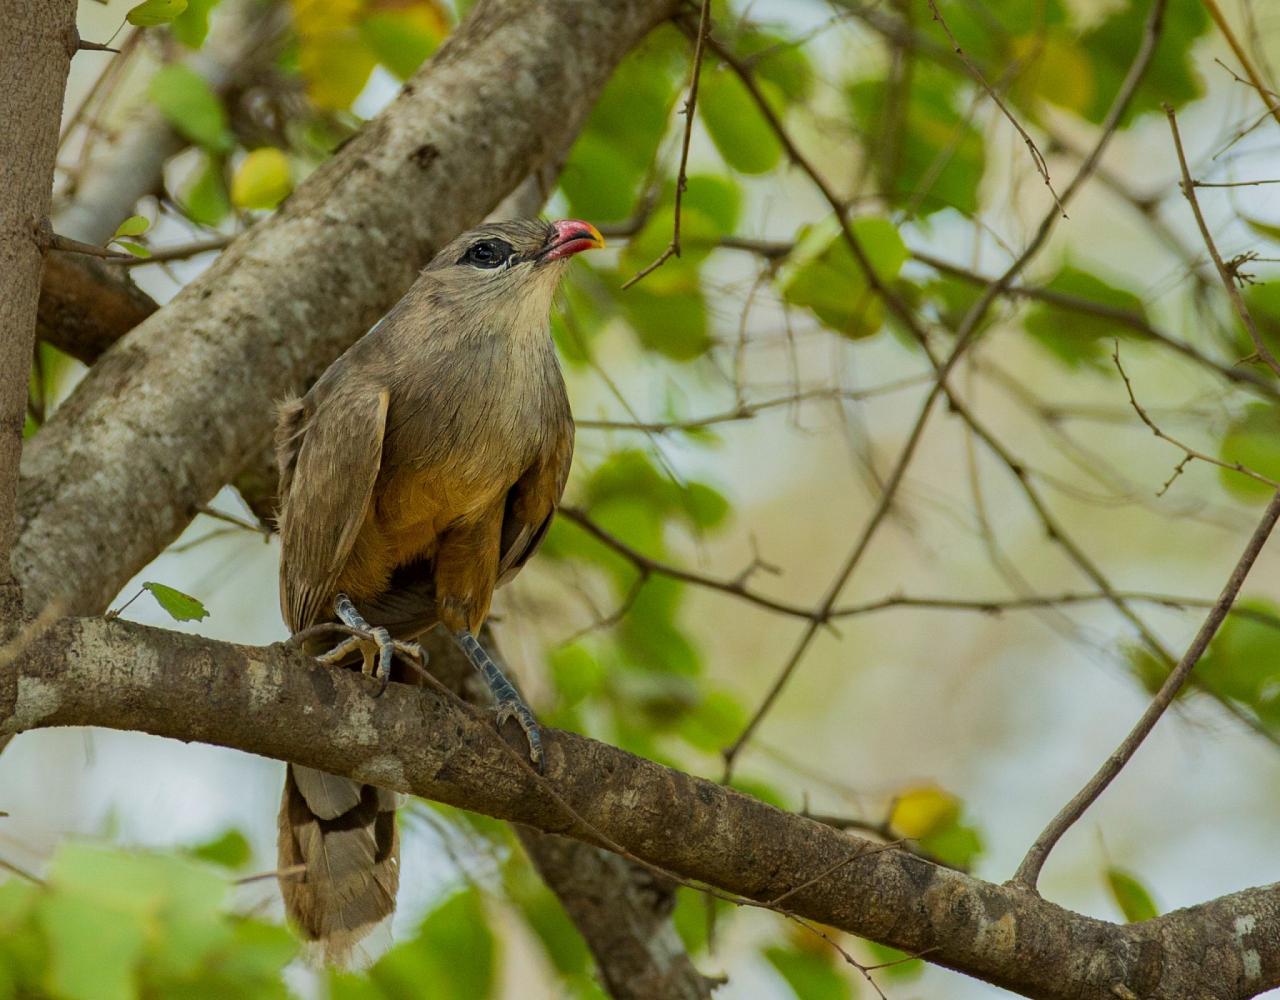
(486,253)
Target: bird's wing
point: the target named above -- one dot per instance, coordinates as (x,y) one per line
(531,503)
(327,485)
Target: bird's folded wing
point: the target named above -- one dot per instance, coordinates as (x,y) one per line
(328,497)
(531,503)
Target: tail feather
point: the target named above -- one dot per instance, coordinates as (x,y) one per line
(344,836)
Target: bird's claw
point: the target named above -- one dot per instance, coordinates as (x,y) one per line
(515,708)
(376,648)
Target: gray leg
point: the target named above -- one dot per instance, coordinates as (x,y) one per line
(348,615)
(510,704)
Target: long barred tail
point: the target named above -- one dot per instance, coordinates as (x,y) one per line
(339,858)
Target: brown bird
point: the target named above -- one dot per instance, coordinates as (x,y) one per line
(419,473)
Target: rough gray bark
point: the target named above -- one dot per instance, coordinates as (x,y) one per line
(86,305)
(38,39)
(172,412)
(275,702)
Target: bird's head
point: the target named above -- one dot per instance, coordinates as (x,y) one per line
(515,264)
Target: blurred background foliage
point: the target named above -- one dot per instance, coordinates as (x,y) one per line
(740,407)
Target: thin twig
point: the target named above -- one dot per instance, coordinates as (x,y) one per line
(1028,872)
(1246,63)
(682,180)
(21,872)
(257,527)
(963,336)
(183,252)
(1036,156)
(66,244)
(1117,314)
(1189,452)
(748,410)
(1228,278)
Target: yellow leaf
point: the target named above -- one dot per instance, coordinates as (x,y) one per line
(262,180)
(923,810)
(1056,70)
(333,57)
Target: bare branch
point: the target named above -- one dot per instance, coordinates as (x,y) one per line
(1189,452)
(690,105)
(1029,870)
(1224,26)
(963,334)
(1228,278)
(1042,168)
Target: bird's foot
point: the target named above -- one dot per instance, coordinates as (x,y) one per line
(515,708)
(374,643)
(510,704)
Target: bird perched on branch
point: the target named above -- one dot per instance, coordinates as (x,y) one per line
(419,473)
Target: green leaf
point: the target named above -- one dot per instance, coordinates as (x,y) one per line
(186,100)
(1267,230)
(735,124)
(576,672)
(668,313)
(599,180)
(137,249)
(957,844)
(105,900)
(1055,69)
(1253,440)
(699,235)
(403,38)
(93,951)
(714,723)
(777,59)
(1076,338)
(229,849)
(933,158)
(811,974)
(453,951)
(1171,78)
(263,179)
(135,225)
(181,607)
(258,952)
(336,66)
(1243,661)
(547,918)
(717,198)
(1131,896)
(207,201)
(824,276)
(153,12)
(191,27)
(892,963)
(612,156)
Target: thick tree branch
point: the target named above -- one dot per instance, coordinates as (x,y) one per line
(275,702)
(168,416)
(38,38)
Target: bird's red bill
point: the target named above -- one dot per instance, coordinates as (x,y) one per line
(573,236)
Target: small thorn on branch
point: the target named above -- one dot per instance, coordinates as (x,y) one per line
(84,45)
